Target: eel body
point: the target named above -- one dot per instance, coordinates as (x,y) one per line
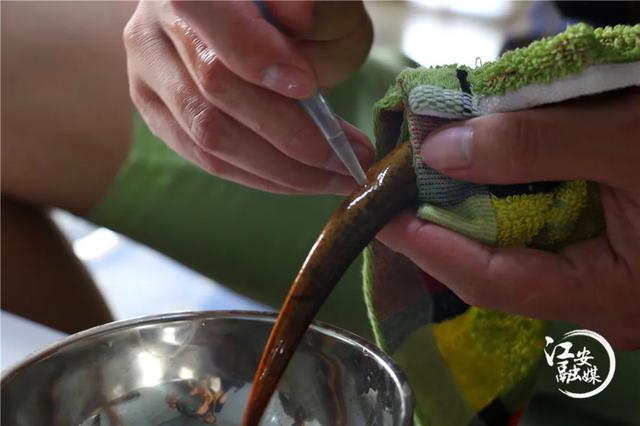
(390,188)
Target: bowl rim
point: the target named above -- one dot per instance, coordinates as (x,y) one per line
(330,330)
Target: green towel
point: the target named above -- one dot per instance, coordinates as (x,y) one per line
(469,365)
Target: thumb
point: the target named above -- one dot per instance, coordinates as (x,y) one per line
(596,139)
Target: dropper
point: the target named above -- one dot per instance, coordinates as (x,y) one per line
(317,107)
(320,112)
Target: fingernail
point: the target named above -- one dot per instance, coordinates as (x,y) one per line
(341,185)
(449,148)
(288,80)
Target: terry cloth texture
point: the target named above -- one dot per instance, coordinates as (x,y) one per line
(469,365)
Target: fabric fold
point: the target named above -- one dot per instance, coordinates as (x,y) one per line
(469,365)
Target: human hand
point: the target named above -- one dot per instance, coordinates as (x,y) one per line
(219,85)
(595,283)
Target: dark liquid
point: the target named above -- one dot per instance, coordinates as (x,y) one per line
(391,188)
(172,404)
(175,404)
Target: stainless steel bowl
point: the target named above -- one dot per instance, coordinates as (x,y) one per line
(196,369)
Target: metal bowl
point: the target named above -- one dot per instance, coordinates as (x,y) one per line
(196,369)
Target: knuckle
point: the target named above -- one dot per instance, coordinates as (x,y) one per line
(212,77)
(141,40)
(521,143)
(207,129)
(134,34)
(187,100)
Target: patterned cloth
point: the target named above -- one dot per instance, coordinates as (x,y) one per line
(469,365)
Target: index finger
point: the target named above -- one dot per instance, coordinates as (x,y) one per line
(250,46)
(520,281)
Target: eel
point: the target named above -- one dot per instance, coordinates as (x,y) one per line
(390,188)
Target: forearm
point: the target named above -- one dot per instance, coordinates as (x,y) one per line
(41,277)
(66,113)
